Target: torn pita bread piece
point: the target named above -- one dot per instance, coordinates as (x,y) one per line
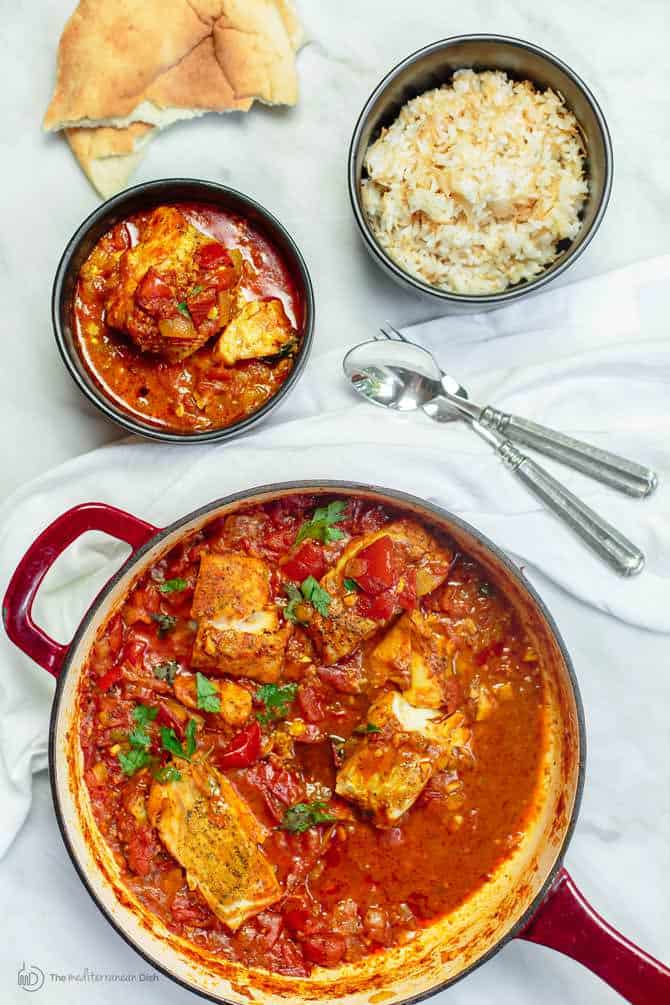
(157,61)
(109,156)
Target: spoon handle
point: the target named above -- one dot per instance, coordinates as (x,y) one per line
(619,473)
(610,545)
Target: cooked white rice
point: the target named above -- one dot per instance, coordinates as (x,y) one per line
(475,183)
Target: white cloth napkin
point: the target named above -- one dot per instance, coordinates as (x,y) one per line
(591,359)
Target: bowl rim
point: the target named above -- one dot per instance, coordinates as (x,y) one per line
(393,496)
(95,394)
(522,289)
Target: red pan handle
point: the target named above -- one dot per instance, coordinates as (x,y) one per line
(40,556)
(565,921)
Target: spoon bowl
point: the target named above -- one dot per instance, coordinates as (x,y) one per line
(398,375)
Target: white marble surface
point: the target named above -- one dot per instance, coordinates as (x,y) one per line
(294,162)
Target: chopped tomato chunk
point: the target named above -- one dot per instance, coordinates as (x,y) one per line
(376,567)
(120,237)
(243,750)
(140,851)
(407,597)
(326,949)
(211,255)
(379,608)
(153,287)
(109,679)
(311,703)
(200,304)
(133,652)
(307,561)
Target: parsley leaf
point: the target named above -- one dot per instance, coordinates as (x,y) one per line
(485,589)
(286,350)
(142,714)
(368,727)
(320,599)
(310,590)
(166,671)
(183,309)
(320,527)
(173,586)
(166,623)
(350,585)
(138,756)
(196,289)
(207,694)
(276,698)
(168,773)
(294,598)
(132,760)
(139,738)
(302,816)
(190,737)
(171,743)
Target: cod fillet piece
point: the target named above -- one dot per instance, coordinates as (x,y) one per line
(209,829)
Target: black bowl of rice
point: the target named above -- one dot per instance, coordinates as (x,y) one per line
(479,170)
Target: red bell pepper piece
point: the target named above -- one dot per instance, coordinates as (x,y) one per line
(243,750)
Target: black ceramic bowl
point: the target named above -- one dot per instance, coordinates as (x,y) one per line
(433,66)
(144,197)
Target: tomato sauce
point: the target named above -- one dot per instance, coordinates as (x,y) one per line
(349,886)
(199,393)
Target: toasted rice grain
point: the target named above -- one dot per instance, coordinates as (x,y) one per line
(475,183)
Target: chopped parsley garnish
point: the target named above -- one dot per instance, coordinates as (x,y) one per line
(365,728)
(309,590)
(166,671)
(320,527)
(171,743)
(485,589)
(350,585)
(318,598)
(183,309)
(133,760)
(138,756)
(196,289)
(276,698)
(165,622)
(294,598)
(142,714)
(207,694)
(173,586)
(286,350)
(168,773)
(138,736)
(302,816)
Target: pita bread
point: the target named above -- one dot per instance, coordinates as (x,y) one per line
(156,61)
(109,156)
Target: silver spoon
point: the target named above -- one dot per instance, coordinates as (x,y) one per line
(401,376)
(610,469)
